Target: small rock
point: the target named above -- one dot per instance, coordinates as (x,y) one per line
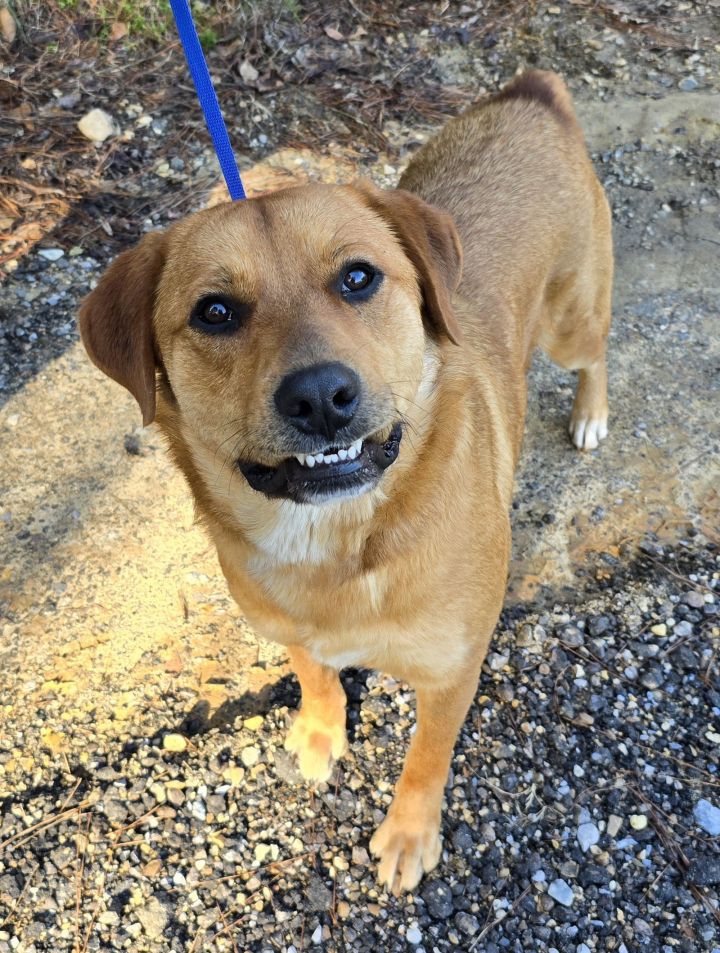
(587,836)
(254,723)
(319,897)
(174,743)
(413,935)
(360,856)
(560,891)
(638,822)
(652,678)
(614,824)
(467,924)
(708,817)
(683,629)
(497,661)
(97,125)
(659,629)
(438,898)
(250,756)
(688,84)
(317,935)
(51,254)
(115,810)
(154,918)
(234,775)
(694,599)
(705,871)
(265,852)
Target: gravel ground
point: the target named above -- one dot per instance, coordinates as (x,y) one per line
(146,802)
(582,813)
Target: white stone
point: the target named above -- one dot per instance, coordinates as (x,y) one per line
(250,756)
(562,892)
(587,835)
(708,817)
(51,254)
(414,935)
(97,125)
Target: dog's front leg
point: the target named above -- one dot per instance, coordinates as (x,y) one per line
(408,840)
(317,736)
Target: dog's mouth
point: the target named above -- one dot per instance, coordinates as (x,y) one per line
(334,473)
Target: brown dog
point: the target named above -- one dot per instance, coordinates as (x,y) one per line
(348,412)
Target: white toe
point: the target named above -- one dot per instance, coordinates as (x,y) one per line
(587,434)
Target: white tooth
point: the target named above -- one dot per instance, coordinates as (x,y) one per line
(333,458)
(300,457)
(358,446)
(309,461)
(319,458)
(342,454)
(352,452)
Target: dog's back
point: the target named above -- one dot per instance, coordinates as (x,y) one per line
(514,173)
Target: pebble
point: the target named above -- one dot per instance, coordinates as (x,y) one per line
(317,935)
(414,935)
(175,743)
(153,917)
(638,822)
(707,816)
(614,824)
(587,835)
(562,892)
(97,125)
(694,599)
(705,871)
(51,254)
(688,84)
(438,898)
(683,629)
(250,756)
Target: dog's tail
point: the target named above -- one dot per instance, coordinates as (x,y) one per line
(546,88)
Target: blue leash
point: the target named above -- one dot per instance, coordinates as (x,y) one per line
(208,99)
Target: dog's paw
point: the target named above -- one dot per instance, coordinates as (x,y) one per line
(586,433)
(317,743)
(406,849)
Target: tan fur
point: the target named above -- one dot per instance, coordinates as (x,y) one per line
(408,578)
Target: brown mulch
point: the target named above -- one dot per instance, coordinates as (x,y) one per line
(303,75)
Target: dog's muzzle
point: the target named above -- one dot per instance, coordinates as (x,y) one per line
(326,476)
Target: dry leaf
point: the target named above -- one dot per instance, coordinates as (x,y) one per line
(248,72)
(118,30)
(334,34)
(8,26)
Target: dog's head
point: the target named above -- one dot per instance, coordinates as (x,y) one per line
(290,331)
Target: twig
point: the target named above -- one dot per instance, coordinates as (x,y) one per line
(491,926)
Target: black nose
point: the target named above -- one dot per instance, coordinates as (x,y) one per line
(321,399)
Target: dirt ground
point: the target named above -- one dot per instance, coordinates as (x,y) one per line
(111,597)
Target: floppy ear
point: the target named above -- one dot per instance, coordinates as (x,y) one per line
(116,320)
(431,242)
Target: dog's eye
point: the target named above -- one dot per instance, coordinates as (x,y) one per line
(216,315)
(215,312)
(359,280)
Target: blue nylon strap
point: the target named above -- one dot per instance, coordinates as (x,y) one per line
(208,99)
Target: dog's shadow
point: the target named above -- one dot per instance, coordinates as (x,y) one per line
(284,692)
